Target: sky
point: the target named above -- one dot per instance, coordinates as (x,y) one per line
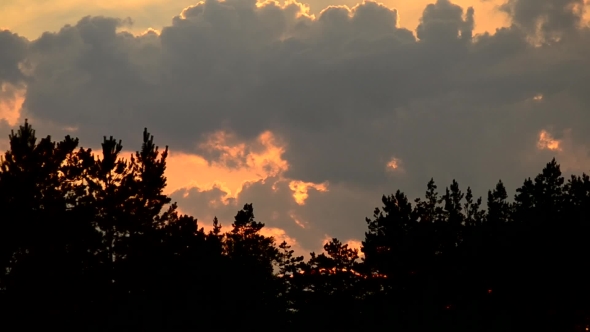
(309,111)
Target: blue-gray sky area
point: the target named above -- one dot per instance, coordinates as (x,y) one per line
(309,111)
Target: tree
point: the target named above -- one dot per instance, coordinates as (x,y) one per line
(92,243)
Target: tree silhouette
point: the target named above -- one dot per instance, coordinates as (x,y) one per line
(91,242)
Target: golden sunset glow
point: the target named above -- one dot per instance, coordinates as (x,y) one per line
(356,244)
(31,19)
(573,155)
(150,30)
(265,153)
(488,18)
(11,102)
(279,235)
(238,164)
(352,244)
(301,188)
(393,164)
(547,142)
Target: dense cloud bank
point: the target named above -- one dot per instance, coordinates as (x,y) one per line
(347,91)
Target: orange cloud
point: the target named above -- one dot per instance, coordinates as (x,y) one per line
(301,188)
(393,164)
(280,235)
(297,220)
(547,142)
(570,155)
(268,159)
(11,102)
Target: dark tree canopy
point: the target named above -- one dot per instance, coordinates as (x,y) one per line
(90,242)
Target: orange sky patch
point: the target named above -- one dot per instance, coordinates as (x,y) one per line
(32,18)
(352,244)
(280,235)
(487,18)
(238,164)
(11,102)
(356,244)
(186,171)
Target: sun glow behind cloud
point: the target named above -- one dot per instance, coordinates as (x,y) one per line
(41,17)
(547,142)
(573,156)
(393,164)
(237,164)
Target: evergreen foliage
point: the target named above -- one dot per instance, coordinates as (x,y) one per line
(90,242)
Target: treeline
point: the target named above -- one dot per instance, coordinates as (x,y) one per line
(92,244)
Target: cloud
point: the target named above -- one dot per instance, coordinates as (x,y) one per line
(226,163)
(301,188)
(444,20)
(302,113)
(546,19)
(14,51)
(574,156)
(547,142)
(394,165)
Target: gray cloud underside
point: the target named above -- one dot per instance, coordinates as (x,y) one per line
(347,91)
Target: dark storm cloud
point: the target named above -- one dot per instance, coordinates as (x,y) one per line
(548,17)
(13,50)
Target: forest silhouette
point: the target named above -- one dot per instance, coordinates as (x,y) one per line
(91,243)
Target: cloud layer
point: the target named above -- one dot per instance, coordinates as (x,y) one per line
(312,118)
